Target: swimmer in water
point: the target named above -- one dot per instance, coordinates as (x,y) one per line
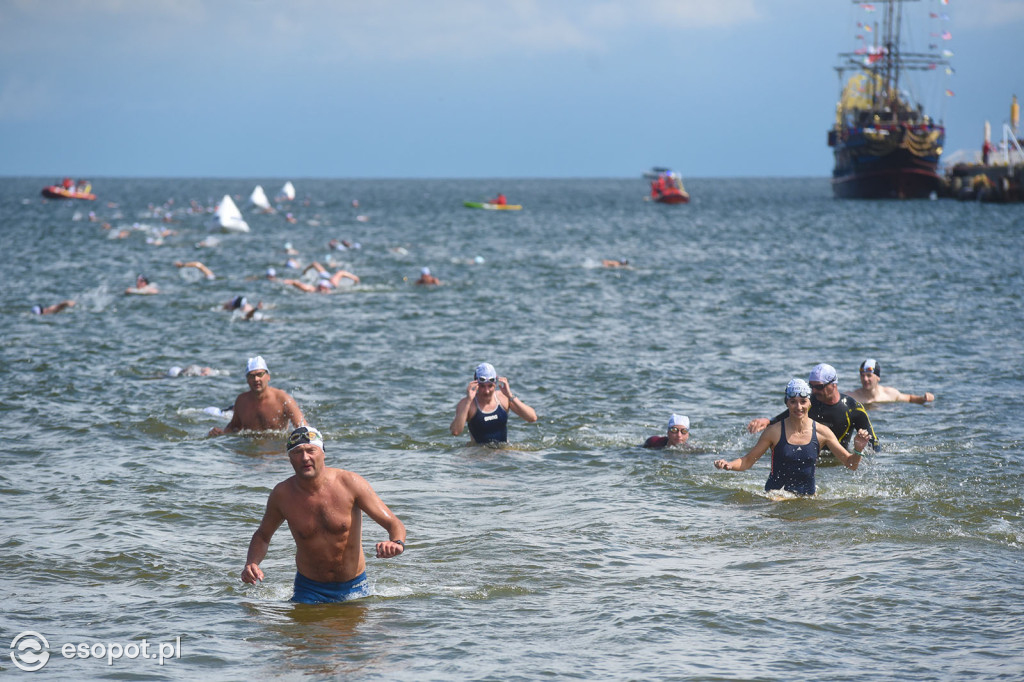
(51,309)
(872,392)
(678,434)
(327,282)
(324,507)
(795,443)
(241,303)
(190,371)
(485,409)
(426,278)
(142,286)
(262,408)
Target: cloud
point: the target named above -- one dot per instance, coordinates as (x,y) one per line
(393,31)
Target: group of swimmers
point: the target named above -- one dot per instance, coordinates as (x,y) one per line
(323,505)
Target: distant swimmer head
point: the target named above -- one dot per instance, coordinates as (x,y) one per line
(679,420)
(425,271)
(485,372)
(871,365)
(324,285)
(238,302)
(823,373)
(141,280)
(271,273)
(174,371)
(303,435)
(37,310)
(257,364)
(798,387)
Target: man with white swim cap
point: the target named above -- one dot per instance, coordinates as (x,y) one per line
(678,433)
(838,411)
(324,510)
(871,391)
(263,407)
(427,278)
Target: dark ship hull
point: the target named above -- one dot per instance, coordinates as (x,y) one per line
(901,163)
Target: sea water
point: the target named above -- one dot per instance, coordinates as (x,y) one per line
(571,553)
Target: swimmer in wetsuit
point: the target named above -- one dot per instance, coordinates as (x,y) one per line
(838,411)
(795,443)
(485,409)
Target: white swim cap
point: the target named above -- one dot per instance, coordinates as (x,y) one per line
(255,364)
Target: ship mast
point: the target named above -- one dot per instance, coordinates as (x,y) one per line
(885,63)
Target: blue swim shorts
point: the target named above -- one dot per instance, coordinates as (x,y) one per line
(314,592)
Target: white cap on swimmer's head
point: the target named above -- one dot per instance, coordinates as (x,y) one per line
(425,271)
(797,387)
(256,364)
(825,374)
(174,371)
(485,372)
(679,420)
(871,365)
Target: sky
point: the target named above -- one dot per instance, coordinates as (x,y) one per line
(461,88)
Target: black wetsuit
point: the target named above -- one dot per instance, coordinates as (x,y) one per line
(845,418)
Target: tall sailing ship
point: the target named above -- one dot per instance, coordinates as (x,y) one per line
(885,146)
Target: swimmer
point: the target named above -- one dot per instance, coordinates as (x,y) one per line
(678,434)
(485,408)
(872,392)
(324,509)
(241,303)
(207,272)
(609,263)
(190,371)
(262,408)
(51,309)
(143,287)
(427,278)
(327,282)
(795,443)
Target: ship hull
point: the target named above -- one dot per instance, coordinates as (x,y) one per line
(899,165)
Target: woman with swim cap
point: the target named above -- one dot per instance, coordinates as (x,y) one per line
(486,407)
(795,443)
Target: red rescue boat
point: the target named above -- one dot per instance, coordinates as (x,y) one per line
(667,186)
(69,190)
